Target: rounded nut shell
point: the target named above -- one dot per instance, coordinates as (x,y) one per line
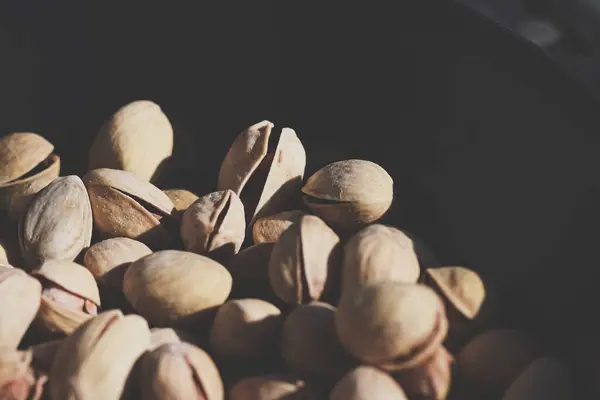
(366,383)
(103,257)
(271,387)
(70,276)
(269,229)
(181,198)
(463,288)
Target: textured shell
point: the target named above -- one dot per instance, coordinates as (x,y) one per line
(179,371)
(244,156)
(383,323)
(53,320)
(20,297)
(95,361)
(137,139)
(461,286)
(170,286)
(366,383)
(378,253)
(71,276)
(269,229)
(271,387)
(181,198)
(58,222)
(20,152)
(246,330)
(109,254)
(544,379)
(309,342)
(215,221)
(302,256)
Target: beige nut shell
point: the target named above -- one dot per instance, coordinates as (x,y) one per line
(72,277)
(366,383)
(20,152)
(463,287)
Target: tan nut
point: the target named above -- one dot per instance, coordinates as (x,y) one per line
(431,379)
(366,383)
(181,198)
(161,336)
(270,228)
(272,387)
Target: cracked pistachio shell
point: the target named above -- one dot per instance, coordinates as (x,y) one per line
(463,288)
(303,261)
(272,387)
(269,229)
(95,361)
(181,198)
(430,379)
(138,138)
(378,253)
(544,379)
(172,287)
(18,380)
(27,165)
(366,383)
(20,298)
(179,371)
(57,224)
(127,206)
(104,257)
(277,174)
(349,194)
(246,330)
(309,342)
(392,325)
(214,223)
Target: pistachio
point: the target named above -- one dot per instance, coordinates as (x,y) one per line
(431,379)
(378,253)
(349,194)
(172,287)
(20,298)
(138,138)
(126,206)
(215,224)
(250,272)
(309,342)
(161,336)
(392,325)
(544,379)
(27,165)
(273,387)
(181,198)
(179,371)
(58,223)
(491,361)
(264,174)
(304,262)
(95,361)
(366,383)
(246,330)
(18,380)
(270,228)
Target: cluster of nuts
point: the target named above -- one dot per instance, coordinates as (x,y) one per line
(270,287)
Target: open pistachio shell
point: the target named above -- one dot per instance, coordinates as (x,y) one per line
(463,288)
(366,383)
(56,321)
(138,138)
(18,380)
(270,228)
(430,379)
(181,198)
(95,361)
(272,387)
(544,379)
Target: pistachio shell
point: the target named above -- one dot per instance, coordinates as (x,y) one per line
(53,320)
(161,336)
(104,257)
(463,288)
(57,224)
(180,371)
(72,277)
(309,342)
(272,387)
(350,193)
(390,324)
(269,229)
(170,287)
(181,198)
(246,330)
(214,223)
(431,379)
(366,383)
(303,260)
(138,138)
(250,273)
(95,361)
(544,379)
(378,253)
(20,298)
(20,153)
(18,381)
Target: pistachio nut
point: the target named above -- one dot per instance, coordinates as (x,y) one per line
(544,379)
(58,223)
(366,383)
(181,198)
(431,379)
(250,273)
(349,194)
(18,380)
(160,336)
(270,228)
(264,169)
(309,342)
(491,361)
(96,360)
(179,371)
(27,165)
(127,206)
(214,224)
(392,325)
(304,263)
(273,387)
(172,287)
(20,298)
(246,330)
(378,253)
(138,138)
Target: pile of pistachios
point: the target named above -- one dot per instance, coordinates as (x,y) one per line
(272,286)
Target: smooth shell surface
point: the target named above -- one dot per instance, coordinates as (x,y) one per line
(21,152)
(104,256)
(366,383)
(181,198)
(270,229)
(463,288)
(72,277)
